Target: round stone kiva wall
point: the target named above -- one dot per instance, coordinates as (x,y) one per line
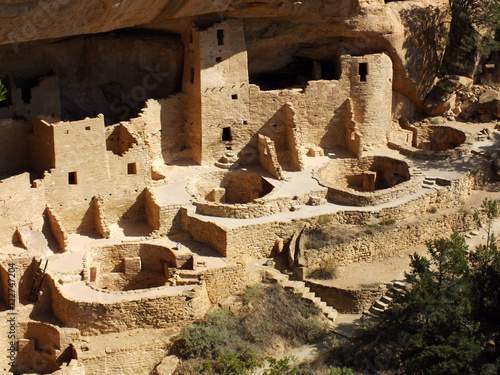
(441,138)
(367,181)
(235,187)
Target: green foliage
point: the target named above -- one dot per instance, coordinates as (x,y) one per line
(470,19)
(434,121)
(3,92)
(229,364)
(281,366)
(442,323)
(327,271)
(209,338)
(252,294)
(268,313)
(339,371)
(433,209)
(324,220)
(380,226)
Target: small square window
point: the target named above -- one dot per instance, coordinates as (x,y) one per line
(72,178)
(87,128)
(245,122)
(218,59)
(234,97)
(132,168)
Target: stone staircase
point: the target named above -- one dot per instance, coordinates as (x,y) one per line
(300,288)
(435,182)
(378,308)
(185,277)
(227,161)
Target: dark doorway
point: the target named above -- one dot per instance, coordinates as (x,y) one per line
(226,134)
(363,71)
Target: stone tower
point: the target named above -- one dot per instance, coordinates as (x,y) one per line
(370,103)
(215,85)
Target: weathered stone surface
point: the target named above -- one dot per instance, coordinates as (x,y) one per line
(442,99)
(490,102)
(167,366)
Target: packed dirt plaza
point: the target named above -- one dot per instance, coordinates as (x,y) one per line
(118,231)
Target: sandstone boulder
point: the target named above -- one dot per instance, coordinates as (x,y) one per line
(489,102)
(167,366)
(442,99)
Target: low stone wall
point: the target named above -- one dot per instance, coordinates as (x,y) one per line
(389,241)
(58,230)
(206,232)
(160,311)
(223,282)
(338,174)
(352,197)
(262,207)
(347,301)
(416,153)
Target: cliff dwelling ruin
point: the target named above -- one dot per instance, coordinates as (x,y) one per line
(136,198)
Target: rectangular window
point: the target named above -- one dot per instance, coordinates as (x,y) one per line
(234,97)
(87,128)
(218,59)
(363,71)
(191,75)
(72,178)
(226,134)
(132,168)
(220,37)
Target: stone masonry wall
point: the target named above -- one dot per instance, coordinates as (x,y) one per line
(97,317)
(20,205)
(223,282)
(14,155)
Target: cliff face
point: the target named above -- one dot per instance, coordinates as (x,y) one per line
(280,34)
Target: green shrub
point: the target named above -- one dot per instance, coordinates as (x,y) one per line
(326,271)
(324,220)
(434,121)
(252,294)
(208,338)
(269,312)
(380,226)
(339,371)
(433,209)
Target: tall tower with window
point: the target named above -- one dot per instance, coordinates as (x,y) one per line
(215,85)
(370,98)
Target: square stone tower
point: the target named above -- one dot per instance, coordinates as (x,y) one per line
(215,85)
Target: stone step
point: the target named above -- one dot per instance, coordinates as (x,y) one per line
(322,305)
(221,165)
(381,305)
(400,284)
(386,299)
(376,311)
(429,182)
(302,289)
(332,315)
(187,281)
(398,290)
(308,295)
